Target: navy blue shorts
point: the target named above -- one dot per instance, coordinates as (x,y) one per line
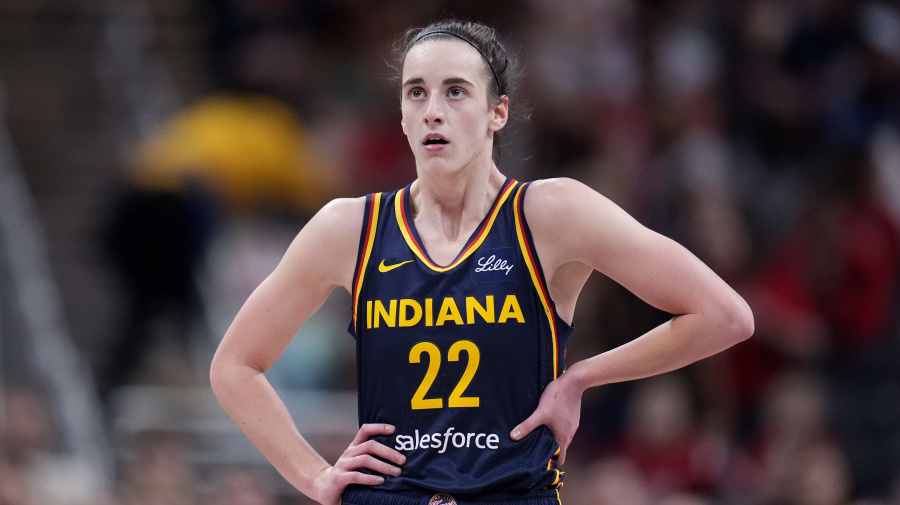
(370,497)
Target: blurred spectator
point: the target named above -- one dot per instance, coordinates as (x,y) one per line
(833,281)
(223,157)
(610,481)
(820,476)
(251,153)
(155,239)
(14,486)
(158,471)
(33,468)
(26,428)
(794,420)
(243,486)
(663,442)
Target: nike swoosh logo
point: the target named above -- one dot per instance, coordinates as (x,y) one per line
(387,268)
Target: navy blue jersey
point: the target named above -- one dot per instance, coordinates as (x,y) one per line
(456,356)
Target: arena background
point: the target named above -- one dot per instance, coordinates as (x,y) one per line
(157,156)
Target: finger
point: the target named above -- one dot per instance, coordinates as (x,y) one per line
(370,430)
(371,463)
(527,426)
(362,478)
(562,455)
(377,449)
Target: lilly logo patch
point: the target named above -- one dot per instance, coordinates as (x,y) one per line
(442,499)
(495,265)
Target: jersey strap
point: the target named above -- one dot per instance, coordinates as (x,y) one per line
(534,268)
(367,239)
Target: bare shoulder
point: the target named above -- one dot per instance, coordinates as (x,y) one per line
(554,209)
(557,202)
(576,223)
(338,223)
(546,197)
(327,246)
(342,216)
(557,207)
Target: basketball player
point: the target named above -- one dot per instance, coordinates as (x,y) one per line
(463,288)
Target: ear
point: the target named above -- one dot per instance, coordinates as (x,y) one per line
(500,114)
(403,126)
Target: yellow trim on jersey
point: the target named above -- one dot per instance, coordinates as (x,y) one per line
(550,467)
(370,240)
(532,268)
(418,250)
(556,481)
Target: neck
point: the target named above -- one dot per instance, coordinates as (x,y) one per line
(455,202)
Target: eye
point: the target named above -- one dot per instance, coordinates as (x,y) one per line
(456,92)
(416,93)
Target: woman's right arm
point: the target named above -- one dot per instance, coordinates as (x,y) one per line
(321,258)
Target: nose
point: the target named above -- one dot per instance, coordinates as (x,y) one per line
(434,110)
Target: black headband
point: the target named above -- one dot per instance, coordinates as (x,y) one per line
(467,41)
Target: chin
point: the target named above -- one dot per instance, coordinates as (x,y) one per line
(440,164)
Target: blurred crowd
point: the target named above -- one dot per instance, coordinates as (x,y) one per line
(764,135)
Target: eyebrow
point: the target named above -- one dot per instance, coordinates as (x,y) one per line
(448,81)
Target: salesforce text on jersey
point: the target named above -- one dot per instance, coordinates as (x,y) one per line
(442,441)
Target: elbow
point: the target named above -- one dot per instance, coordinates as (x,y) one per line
(215,375)
(218,375)
(228,373)
(741,325)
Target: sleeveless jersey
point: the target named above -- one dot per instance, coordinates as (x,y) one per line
(456,356)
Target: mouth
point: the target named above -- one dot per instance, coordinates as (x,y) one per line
(435,142)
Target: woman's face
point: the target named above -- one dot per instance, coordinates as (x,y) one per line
(446,115)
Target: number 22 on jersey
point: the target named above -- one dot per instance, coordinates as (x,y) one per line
(434,364)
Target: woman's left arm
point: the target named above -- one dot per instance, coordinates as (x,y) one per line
(709,316)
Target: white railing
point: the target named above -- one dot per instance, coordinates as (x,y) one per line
(35,296)
(135,80)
